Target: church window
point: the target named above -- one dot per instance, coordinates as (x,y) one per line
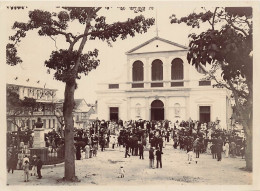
(177,69)
(138,71)
(157,70)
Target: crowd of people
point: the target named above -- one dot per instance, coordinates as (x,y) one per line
(133,138)
(136,136)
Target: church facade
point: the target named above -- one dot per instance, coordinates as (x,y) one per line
(160,84)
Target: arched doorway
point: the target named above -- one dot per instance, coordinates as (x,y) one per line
(157,110)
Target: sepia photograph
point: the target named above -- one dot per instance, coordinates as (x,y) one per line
(129,94)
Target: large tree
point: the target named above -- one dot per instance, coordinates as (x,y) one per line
(70,63)
(226,45)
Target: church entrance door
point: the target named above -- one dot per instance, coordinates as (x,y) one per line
(114,113)
(157,110)
(204,114)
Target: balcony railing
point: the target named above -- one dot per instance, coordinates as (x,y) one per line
(137,85)
(205,83)
(166,84)
(156,84)
(113,86)
(177,84)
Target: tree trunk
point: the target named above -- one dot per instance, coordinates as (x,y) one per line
(249,146)
(249,153)
(68,106)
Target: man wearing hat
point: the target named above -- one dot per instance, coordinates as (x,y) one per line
(34,165)
(151,157)
(158,154)
(39,167)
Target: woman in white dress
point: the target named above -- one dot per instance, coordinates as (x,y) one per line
(227,149)
(87,149)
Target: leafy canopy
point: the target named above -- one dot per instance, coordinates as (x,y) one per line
(17,105)
(228,41)
(53,24)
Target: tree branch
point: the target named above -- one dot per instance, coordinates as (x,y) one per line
(229,21)
(85,34)
(54,42)
(213,19)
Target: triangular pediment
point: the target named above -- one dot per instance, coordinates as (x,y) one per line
(157,44)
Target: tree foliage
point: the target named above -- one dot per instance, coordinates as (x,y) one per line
(15,103)
(69,64)
(11,55)
(230,45)
(227,43)
(16,106)
(53,24)
(227,46)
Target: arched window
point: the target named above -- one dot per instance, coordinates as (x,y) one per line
(157,70)
(177,69)
(138,71)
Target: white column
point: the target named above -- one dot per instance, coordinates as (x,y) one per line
(145,69)
(187,108)
(146,72)
(149,69)
(129,71)
(147,110)
(186,72)
(128,108)
(166,106)
(165,68)
(166,72)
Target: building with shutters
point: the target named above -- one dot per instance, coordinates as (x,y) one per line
(45,108)
(159,84)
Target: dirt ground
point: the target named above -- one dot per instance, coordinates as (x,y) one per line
(104,170)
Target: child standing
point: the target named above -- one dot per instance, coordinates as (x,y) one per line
(90,151)
(26,171)
(122,172)
(190,154)
(34,163)
(95,150)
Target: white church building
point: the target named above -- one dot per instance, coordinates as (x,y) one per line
(160,84)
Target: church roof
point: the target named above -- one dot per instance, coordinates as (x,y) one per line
(180,47)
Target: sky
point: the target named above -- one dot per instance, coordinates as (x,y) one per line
(34,50)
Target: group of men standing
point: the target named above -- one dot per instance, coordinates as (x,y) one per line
(33,166)
(158,155)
